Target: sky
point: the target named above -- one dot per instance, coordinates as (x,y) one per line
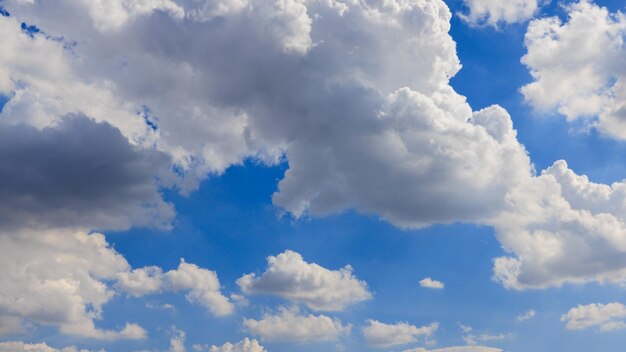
(312,175)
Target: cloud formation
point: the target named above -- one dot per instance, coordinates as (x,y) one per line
(430,283)
(288,325)
(245,345)
(589,85)
(494,12)
(381,335)
(58,278)
(203,285)
(606,317)
(19,346)
(289,276)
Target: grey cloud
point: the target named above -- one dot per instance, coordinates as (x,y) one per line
(78,173)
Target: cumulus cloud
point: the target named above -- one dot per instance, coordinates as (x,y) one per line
(430,283)
(493,12)
(289,276)
(19,346)
(580,81)
(203,285)
(245,345)
(58,278)
(562,228)
(288,325)
(606,317)
(355,96)
(78,173)
(381,335)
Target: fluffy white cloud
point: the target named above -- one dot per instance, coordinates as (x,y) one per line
(430,283)
(457,349)
(19,346)
(290,326)
(526,315)
(577,66)
(245,345)
(57,277)
(381,335)
(289,276)
(562,228)
(203,285)
(606,317)
(493,12)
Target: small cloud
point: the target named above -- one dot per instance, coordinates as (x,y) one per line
(528,315)
(430,283)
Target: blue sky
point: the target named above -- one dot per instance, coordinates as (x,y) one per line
(264,144)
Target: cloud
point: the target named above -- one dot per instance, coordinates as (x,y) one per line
(78,173)
(526,315)
(457,349)
(289,276)
(430,283)
(58,278)
(290,326)
(587,81)
(562,228)
(245,345)
(203,285)
(19,346)
(382,133)
(606,317)
(472,339)
(494,12)
(381,335)
(177,341)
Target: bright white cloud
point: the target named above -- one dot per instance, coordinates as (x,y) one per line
(493,12)
(289,276)
(245,345)
(562,228)
(203,285)
(57,278)
(381,335)
(577,66)
(288,325)
(606,317)
(430,283)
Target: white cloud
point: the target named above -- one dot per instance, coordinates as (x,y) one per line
(203,285)
(290,277)
(606,317)
(382,133)
(472,339)
(57,277)
(526,315)
(430,283)
(245,345)
(177,341)
(493,12)
(457,349)
(290,326)
(19,346)
(562,228)
(381,335)
(581,81)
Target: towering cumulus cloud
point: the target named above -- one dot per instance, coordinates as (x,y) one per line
(129,97)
